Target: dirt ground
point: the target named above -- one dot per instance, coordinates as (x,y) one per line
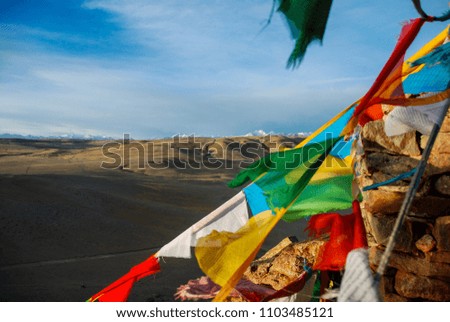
(70,227)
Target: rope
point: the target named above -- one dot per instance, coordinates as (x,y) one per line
(407,202)
(424,15)
(269,20)
(392,180)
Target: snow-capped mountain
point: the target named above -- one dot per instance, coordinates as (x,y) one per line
(55,137)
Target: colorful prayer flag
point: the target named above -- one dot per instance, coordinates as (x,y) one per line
(315,177)
(434,76)
(392,83)
(346,232)
(230,216)
(329,189)
(307,20)
(120,289)
(224,256)
(283,175)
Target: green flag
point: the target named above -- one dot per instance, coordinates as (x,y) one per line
(283,175)
(307,20)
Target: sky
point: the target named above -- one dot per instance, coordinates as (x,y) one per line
(155,69)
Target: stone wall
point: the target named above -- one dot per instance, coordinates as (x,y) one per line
(419,268)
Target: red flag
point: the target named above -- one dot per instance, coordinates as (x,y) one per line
(120,289)
(388,84)
(347,232)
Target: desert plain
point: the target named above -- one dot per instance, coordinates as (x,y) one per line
(75,215)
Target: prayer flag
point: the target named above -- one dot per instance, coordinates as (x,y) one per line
(307,20)
(346,232)
(120,289)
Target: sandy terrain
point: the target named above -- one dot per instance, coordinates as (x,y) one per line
(70,227)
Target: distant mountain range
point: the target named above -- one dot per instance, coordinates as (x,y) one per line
(102,137)
(264,133)
(55,137)
(253,133)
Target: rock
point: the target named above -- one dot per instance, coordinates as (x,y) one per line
(426,243)
(423,141)
(412,264)
(440,257)
(392,297)
(441,231)
(285,266)
(308,250)
(382,226)
(420,262)
(431,206)
(384,202)
(371,241)
(375,139)
(274,251)
(413,286)
(389,202)
(383,164)
(442,185)
(445,128)
(439,160)
(442,144)
(386,285)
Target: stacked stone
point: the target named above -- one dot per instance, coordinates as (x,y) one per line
(419,268)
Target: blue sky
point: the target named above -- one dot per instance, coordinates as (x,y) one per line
(157,68)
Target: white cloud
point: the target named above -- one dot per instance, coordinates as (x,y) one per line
(196,67)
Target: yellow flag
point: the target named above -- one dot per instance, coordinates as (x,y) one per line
(224,256)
